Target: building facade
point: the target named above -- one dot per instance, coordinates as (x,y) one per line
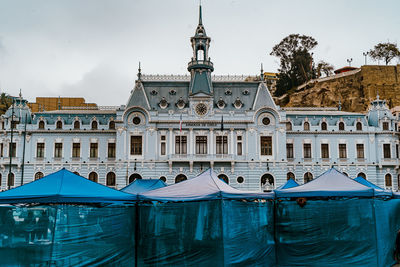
(174,127)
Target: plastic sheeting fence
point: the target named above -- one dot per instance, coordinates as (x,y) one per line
(355,232)
(214,233)
(67,235)
(352,232)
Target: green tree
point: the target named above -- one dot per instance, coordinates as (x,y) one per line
(324,67)
(5,102)
(385,51)
(296,61)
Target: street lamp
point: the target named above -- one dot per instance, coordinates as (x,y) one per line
(365,54)
(349,60)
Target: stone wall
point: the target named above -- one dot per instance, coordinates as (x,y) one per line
(354,89)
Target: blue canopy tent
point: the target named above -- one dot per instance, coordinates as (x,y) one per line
(289,184)
(143,185)
(65,219)
(378,191)
(333,222)
(204,221)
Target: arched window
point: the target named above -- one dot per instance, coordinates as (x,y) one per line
(288,126)
(290,175)
(77,173)
(341,126)
(41,125)
(324,126)
(162,178)
(0,180)
(306,126)
(180,177)
(110,179)
(398,182)
(361,174)
(267,182)
(388,180)
(224,178)
(93,176)
(59,125)
(10,180)
(94,125)
(134,177)
(200,54)
(308,177)
(359,126)
(38,175)
(77,125)
(111,125)
(345,173)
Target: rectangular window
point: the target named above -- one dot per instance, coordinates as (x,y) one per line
(289,151)
(307,151)
(222,145)
(1,149)
(76,150)
(40,150)
(136,145)
(360,151)
(385,126)
(201,144)
(14,124)
(58,150)
(342,151)
(111,151)
(397,151)
(94,150)
(325,151)
(13,149)
(181,145)
(386,151)
(239,145)
(163,148)
(266,145)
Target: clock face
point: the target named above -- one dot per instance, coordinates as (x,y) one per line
(201,109)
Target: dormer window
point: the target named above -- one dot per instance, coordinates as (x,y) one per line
(221,103)
(41,125)
(237,104)
(172,92)
(181,103)
(341,126)
(163,103)
(228,92)
(59,125)
(111,125)
(77,125)
(306,126)
(385,126)
(153,92)
(359,126)
(246,92)
(324,126)
(94,125)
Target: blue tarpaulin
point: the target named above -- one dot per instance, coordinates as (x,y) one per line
(143,185)
(331,183)
(378,190)
(203,221)
(95,228)
(289,184)
(64,187)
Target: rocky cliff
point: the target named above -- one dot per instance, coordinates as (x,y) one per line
(354,89)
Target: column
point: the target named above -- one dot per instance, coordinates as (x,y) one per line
(231,142)
(212,149)
(170,142)
(191,141)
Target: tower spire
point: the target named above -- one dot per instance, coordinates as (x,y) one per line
(200,16)
(139,75)
(262,73)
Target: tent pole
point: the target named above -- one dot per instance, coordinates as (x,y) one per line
(53,236)
(275,230)
(23,153)
(136,232)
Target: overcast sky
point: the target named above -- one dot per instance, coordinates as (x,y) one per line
(91,48)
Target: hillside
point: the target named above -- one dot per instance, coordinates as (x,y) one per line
(355,89)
